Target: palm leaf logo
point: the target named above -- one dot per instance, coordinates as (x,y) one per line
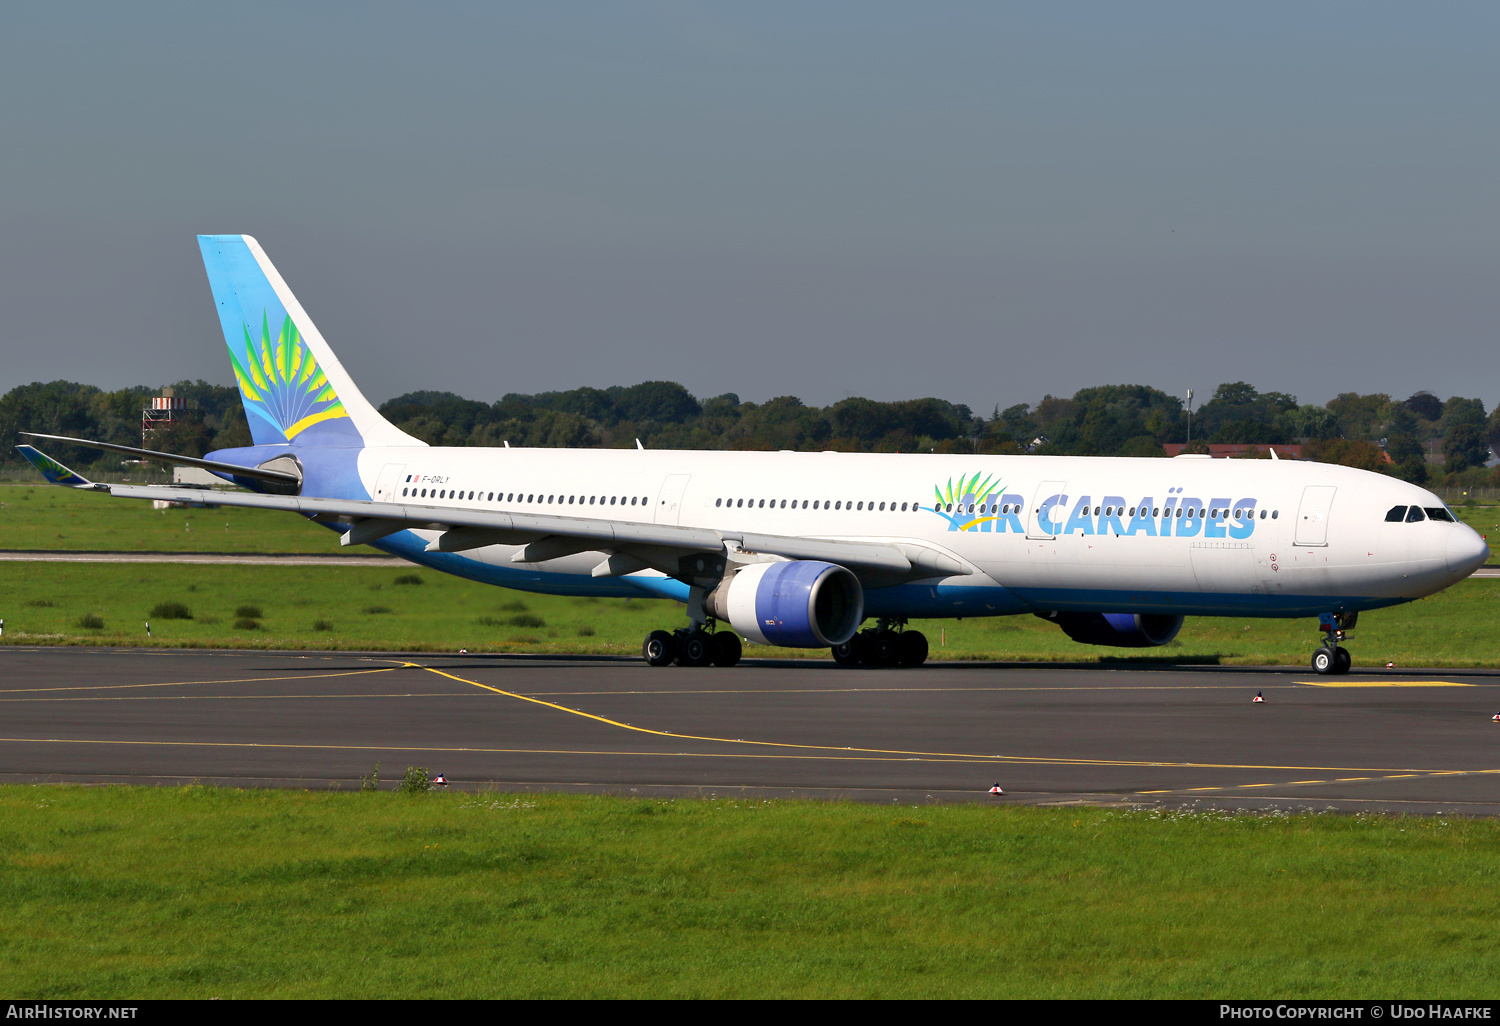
(51,469)
(966,490)
(282,382)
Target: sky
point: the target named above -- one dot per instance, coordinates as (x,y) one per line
(985,202)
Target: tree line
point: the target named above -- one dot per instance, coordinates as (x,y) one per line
(1374,431)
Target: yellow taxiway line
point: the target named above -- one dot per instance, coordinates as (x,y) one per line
(1385,684)
(1337,780)
(185,683)
(966,756)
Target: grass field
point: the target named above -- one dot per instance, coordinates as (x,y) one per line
(47,517)
(359,608)
(198,892)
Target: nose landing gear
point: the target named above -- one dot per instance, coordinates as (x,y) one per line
(1331,658)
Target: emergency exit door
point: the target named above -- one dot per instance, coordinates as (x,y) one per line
(669,501)
(388,485)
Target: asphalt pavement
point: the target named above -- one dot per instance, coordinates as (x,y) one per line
(1128,734)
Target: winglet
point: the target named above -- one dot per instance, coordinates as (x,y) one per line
(52,470)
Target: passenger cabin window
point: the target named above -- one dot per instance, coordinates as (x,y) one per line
(1414,514)
(1438,513)
(1396,515)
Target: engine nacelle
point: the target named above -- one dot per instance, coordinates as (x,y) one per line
(1122,630)
(803,603)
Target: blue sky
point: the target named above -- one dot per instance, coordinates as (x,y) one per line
(984,202)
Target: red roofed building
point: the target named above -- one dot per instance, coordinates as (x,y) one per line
(1238,451)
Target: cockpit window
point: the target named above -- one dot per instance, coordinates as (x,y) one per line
(1414,514)
(1396,515)
(1439,513)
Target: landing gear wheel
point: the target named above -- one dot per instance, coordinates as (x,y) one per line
(844,654)
(660,648)
(864,647)
(725,649)
(912,649)
(1324,661)
(1342,660)
(695,649)
(885,649)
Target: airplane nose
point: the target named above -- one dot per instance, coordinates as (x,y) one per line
(1467,551)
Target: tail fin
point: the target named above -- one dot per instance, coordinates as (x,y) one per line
(294,389)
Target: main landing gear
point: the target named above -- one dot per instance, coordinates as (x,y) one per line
(1331,658)
(888,643)
(692,646)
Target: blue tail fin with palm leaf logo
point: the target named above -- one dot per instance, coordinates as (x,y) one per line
(294,389)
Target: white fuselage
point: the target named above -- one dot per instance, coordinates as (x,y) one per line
(1186,535)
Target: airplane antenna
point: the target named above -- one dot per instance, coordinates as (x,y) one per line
(638,444)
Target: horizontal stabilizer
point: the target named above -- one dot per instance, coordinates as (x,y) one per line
(166,457)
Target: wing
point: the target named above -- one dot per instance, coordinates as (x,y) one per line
(630,546)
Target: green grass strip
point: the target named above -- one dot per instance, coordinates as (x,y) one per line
(197,892)
(367,609)
(47,517)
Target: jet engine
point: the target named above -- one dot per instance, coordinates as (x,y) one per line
(1122,630)
(800,604)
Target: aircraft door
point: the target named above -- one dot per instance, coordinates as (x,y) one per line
(669,501)
(1039,521)
(388,484)
(1312,515)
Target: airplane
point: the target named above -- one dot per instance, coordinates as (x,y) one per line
(800,549)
